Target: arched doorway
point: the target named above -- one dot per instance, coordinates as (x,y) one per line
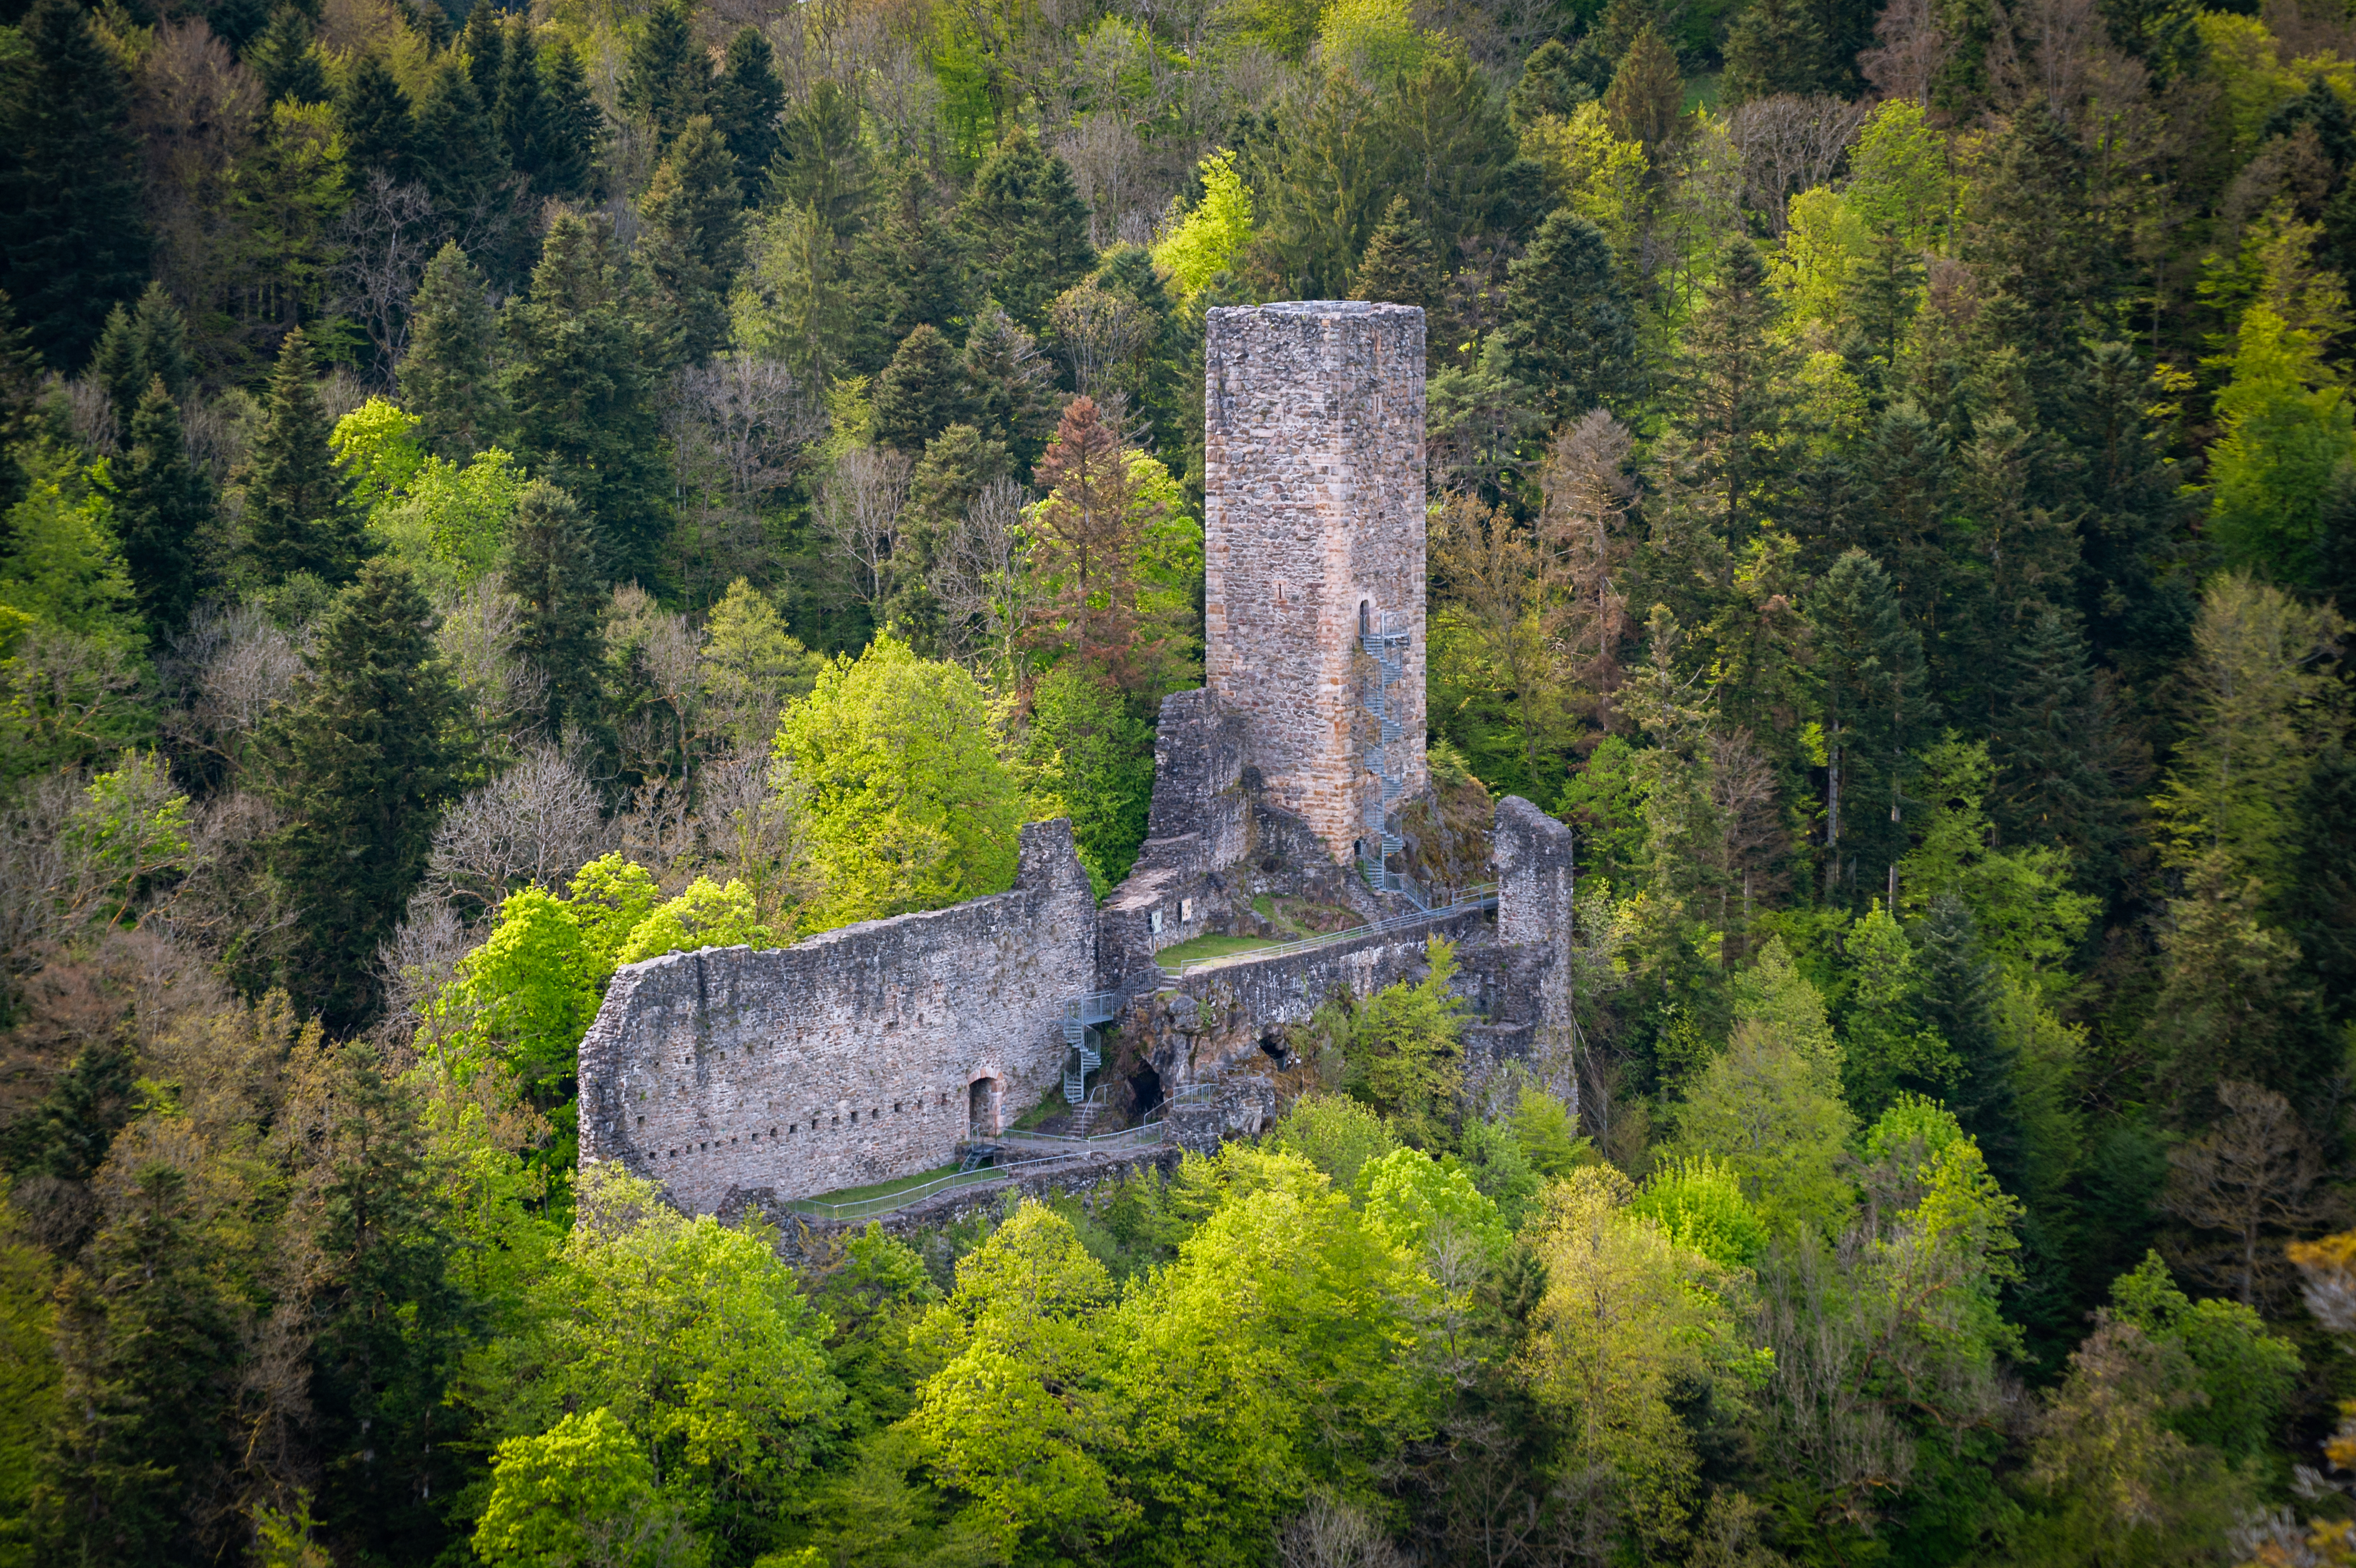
(981,1108)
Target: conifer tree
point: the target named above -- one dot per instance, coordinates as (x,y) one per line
(1885,293)
(73,243)
(20,388)
(1775,46)
(577,379)
(165,506)
(1957,995)
(460,159)
(1399,267)
(2055,785)
(365,759)
(908,271)
(297,517)
(1567,321)
(564,161)
(665,81)
(746,99)
(1027,228)
(955,466)
(445,377)
(139,345)
(920,393)
(484,42)
(286,60)
(1549,85)
(1646,100)
(1012,386)
(552,569)
(1871,661)
(821,161)
(373,114)
(691,245)
(1736,376)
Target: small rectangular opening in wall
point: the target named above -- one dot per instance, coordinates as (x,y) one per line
(1185,911)
(642,1121)
(854,1118)
(1153,922)
(895,1109)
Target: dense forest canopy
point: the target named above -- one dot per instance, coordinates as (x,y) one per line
(490,498)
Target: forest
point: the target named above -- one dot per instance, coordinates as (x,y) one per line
(488,496)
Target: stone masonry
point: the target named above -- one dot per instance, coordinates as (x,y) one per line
(854,1057)
(1312,518)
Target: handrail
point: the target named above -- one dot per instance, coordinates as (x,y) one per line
(869,1207)
(1481,896)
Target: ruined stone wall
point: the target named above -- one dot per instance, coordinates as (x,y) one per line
(854,1057)
(1313,507)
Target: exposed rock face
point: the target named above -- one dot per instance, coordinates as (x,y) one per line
(1312,518)
(857,1056)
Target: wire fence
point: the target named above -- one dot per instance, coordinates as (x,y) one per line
(1062,1149)
(1483,895)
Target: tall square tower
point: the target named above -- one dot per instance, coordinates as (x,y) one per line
(1313,525)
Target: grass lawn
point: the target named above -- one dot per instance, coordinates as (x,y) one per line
(1213,946)
(880,1188)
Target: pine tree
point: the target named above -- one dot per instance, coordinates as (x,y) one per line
(821,161)
(1775,46)
(297,517)
(746,101)
(552,569)
(1012,387)
(1567,321)
(578,379)
(72,241)
(1886,292)
(920,393)
(286,60)
(1646,100)
(165,506)
(1399,267)
(2054,785)
(1736,375)
(665,81)
(1027,228)
(373,114)
(139,345)
(572,125)
(692,244)
(445,376)
(365,760)
(460,159)
(20,390)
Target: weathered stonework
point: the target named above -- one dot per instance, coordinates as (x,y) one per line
(853,1056)
(1312,518)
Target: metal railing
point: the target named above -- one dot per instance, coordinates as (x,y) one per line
(886,1203)
(1481,896)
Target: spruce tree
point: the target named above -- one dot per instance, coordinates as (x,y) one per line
(907,271)
(577,376)
(286,60)
(955,466)
(73,243)
(1399,267)
(1775,46)
(1957,992)
(20,391)
(572,125)
(690,245)
(746,99)
(297,516)
(518,109)
(1567,321)
(365,759)
(821,161)
(160,517)
(2053,745)
(373,114)
(552,569)
(665,81)
(1736,375)
(1012,386)
(1549,85)
(1027,228)
(920,393)
(139,345)
(1646,100)
(1875,706)
(445,377)
(484,42)
(460,159)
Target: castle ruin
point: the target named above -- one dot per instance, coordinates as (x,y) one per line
(1291,781)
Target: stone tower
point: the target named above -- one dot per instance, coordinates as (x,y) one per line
(1312,534)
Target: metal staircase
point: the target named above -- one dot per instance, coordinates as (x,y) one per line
(1081,1015)
(1385,639)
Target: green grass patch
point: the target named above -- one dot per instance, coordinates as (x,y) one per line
(1214,946)
(881,1188)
